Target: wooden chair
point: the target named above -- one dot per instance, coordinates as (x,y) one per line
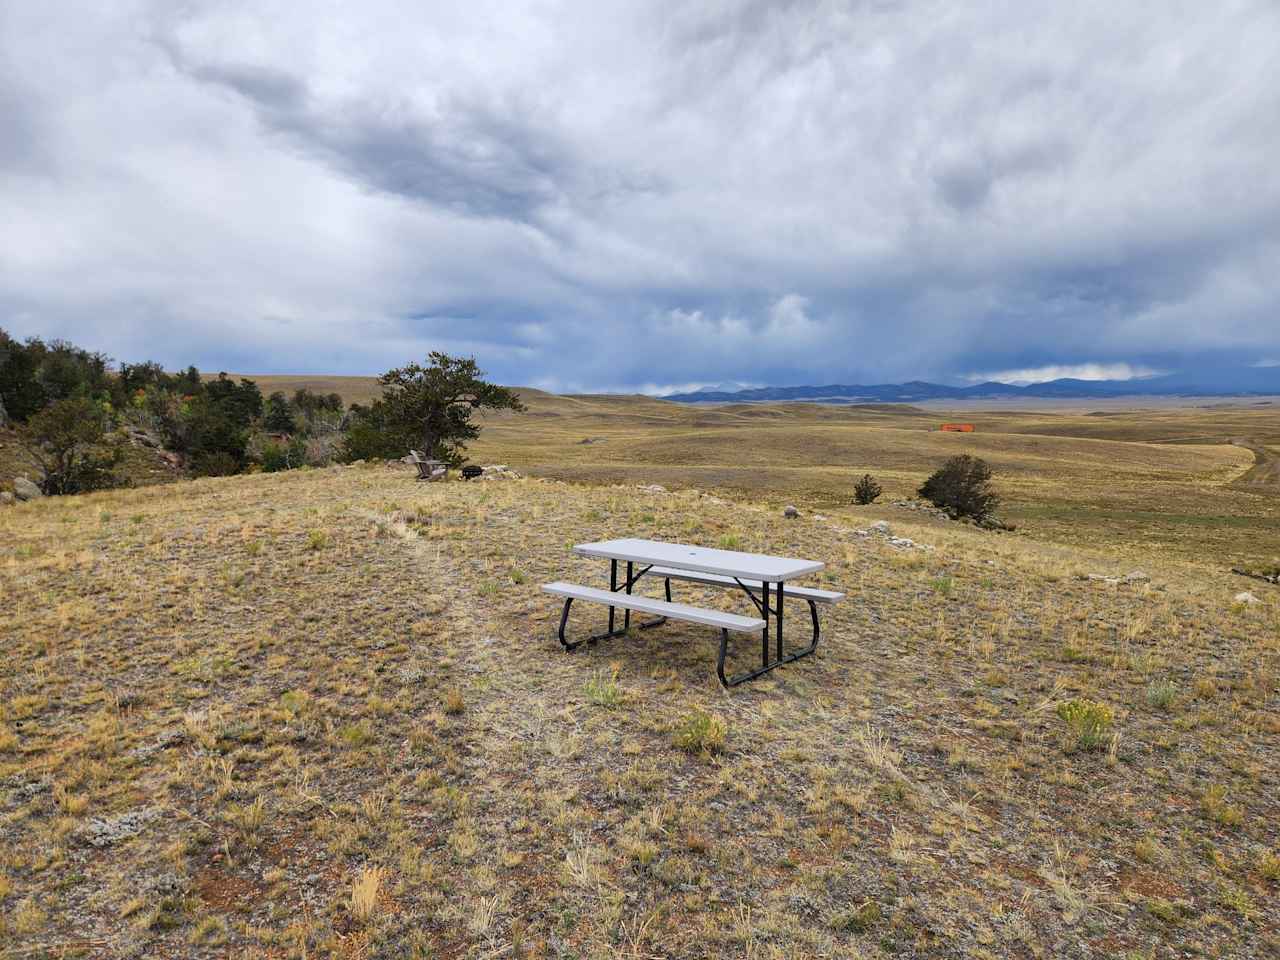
(428,469)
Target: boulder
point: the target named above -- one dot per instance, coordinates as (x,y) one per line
(790,512)
(7,499)
(1246,597)
(24,489)
(993,523)
(881,527)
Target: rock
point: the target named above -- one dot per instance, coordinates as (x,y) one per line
(922,506)
(498,471)
(103,832)
(881,527)
(652,488)
(820,518)
(24,489)
(790,512)
(7,499)
(142,438)
(1246,597)
(993,523)
(1132,577)
(905,543)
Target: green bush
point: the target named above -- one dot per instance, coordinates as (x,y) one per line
(369,438)
(67,442)
(866,490)
(1088,721)
(214,463)
(962,487)
(276,456)
(701,732)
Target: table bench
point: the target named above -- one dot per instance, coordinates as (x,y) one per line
(811,595)
(761,577)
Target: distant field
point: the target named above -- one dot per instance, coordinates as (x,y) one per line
(351,389)
(1150,482)
(1181,478)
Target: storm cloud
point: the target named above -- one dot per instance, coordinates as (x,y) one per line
(635,195)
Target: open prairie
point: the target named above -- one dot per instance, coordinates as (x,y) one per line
(324,712)
(1151,484)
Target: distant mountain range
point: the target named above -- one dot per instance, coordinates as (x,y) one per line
(1241,381)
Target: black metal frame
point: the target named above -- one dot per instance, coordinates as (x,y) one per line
(614,587)
(761,603)
(766,611)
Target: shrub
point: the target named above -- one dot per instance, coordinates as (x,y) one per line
(454,702)
(603,690)
(859,919)
(962,487)
(866,490)
(66,441)
(279,417)
(701,732)
(1217,807)
(1088,721)
(1162,693)
(276,456)
(214,463)
(369,437)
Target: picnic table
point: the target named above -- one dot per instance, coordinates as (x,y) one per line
(761,577)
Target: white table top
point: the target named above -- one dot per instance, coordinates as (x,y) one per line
(729,563)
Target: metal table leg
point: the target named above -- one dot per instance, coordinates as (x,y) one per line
(768,612)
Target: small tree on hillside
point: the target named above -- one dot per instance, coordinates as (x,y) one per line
(433,404)
(278,417)
(962,487)
(866,490)
(64,441)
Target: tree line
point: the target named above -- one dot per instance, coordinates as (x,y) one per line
(74,411)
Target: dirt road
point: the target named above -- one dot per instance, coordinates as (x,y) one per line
(1264,475)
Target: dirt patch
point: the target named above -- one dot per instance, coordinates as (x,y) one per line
(224,891)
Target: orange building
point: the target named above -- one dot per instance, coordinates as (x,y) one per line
(958,427)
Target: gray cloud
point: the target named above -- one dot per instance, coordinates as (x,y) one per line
(617,194)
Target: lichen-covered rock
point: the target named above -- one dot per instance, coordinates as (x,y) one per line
(24,489)
(105,831)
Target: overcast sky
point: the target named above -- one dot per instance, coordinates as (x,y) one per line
(613,195)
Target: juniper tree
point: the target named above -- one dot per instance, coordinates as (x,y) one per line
(433,404)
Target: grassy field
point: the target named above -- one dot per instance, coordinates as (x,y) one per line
(324,713)
(1155,484)
(351,389)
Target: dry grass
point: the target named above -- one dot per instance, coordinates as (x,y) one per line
(1127,483)
(324,713)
